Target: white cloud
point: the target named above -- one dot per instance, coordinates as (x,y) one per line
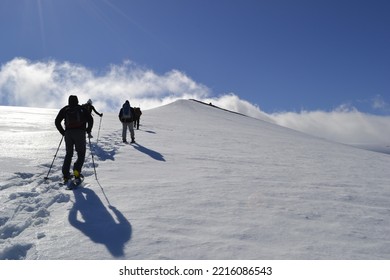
(345,126)
(379,103)
(48,84)
(21,83)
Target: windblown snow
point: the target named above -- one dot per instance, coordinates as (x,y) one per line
(201,183)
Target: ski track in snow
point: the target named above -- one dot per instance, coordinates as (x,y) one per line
(28,205)
(28,208)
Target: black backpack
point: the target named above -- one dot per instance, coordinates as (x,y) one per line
(88,107)
(74,117)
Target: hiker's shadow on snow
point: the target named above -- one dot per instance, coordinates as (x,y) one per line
(153,154)
(96,222)
(102,154)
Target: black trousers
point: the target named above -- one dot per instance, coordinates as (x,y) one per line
(136,123)
(74,139)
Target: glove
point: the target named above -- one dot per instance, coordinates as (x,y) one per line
(90,135)
(101,115)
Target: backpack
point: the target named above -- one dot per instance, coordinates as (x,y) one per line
(88,107)
(126,111)
(137,112)
(74,117)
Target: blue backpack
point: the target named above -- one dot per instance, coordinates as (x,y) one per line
(126,111)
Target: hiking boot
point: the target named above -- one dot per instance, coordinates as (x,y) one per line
(76,174)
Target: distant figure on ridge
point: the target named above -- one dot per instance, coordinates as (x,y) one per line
(137,116)
(126,115)
(76,119)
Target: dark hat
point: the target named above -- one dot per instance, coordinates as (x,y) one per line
(73,100)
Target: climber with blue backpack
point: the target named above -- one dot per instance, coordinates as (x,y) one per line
(126,116)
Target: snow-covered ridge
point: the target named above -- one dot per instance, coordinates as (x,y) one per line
(201,183)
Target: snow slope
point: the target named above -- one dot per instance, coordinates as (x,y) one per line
(201,183)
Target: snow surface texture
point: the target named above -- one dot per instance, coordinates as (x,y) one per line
(201,183)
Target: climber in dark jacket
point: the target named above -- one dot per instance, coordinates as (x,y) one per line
(126,115)
(78,121)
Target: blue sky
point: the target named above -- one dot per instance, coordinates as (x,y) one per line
(281,55)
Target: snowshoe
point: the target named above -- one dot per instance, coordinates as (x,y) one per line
(75,182)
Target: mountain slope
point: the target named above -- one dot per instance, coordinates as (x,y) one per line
(201,183)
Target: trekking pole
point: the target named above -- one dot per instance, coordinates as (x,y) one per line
(100,123)
(47,176)
(93,161)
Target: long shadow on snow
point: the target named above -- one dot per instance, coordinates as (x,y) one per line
(102,154)
(99,225)
(153,154)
